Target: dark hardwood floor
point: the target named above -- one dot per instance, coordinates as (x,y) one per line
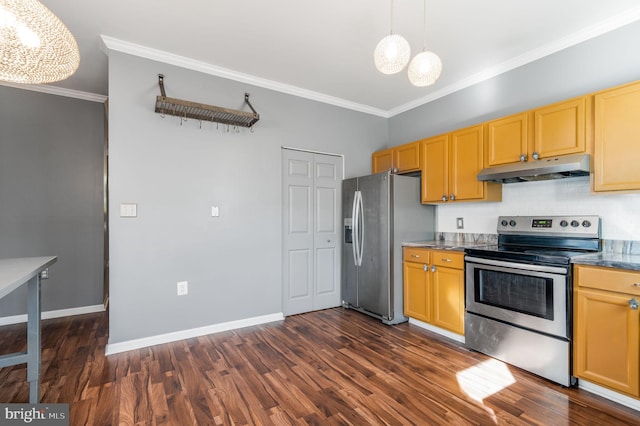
(328,367)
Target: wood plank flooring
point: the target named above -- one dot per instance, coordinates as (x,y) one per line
(331,367)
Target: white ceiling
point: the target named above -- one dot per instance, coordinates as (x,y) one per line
(325,48)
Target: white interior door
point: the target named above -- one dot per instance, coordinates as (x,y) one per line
(311,230)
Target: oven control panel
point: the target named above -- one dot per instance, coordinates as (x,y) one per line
(583,226)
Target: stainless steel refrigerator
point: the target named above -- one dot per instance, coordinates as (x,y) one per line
(380,212)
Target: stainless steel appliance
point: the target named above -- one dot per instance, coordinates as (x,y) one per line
(560,167)
(519,294)
(380,212)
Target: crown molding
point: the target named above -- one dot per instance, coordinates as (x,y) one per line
(58,91)
(588,33)
(113,44)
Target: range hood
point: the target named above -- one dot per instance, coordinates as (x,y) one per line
(560,167)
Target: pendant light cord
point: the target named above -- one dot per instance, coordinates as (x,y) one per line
(391,19)
(424,27)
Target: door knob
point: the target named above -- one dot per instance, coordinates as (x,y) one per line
(633,304)
(433,268)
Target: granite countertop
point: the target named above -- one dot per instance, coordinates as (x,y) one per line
(444,245)
(611,260)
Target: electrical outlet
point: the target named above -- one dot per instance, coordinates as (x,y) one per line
(183,288)
(459,223)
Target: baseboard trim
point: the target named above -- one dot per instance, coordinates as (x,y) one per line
(114,348)
(437,330)
(17,319)
(627,401)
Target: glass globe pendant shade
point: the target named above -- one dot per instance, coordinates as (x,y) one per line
(424,69)
(392,54)
(35,46)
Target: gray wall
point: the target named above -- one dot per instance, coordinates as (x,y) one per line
(51,196)
(599,63)
(176,173)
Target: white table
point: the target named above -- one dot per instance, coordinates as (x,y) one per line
(13,274)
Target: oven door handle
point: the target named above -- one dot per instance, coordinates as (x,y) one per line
(514,265)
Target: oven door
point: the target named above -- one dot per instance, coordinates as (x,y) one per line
(529,296)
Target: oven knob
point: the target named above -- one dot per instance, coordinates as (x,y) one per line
(575,223)
(586,223)
(512,222)
(564,223)
(504,222)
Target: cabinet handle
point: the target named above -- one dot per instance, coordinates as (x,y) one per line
(433,268)
(535,155)
(523,157)
(444,198)
(636,284)
(425,267)
(395,170)
(416,256)
(444,259)
(452,197)
(633,304)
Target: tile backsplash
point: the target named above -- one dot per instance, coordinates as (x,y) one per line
(620,213)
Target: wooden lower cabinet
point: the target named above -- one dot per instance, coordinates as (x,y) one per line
(434,287)
(606,346)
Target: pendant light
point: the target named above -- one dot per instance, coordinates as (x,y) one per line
(393,52)
(35,46)
(425,67)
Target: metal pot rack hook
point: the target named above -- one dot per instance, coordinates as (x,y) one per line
(203,112)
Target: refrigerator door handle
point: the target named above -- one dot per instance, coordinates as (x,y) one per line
(360,228)
(354,215)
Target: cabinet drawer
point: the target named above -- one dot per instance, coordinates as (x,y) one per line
(609,279)
(448,258)
(414,254)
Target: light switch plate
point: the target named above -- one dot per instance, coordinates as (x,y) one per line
(128,210)
(459,223)
(215,211)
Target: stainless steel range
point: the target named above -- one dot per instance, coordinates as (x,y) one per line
(519,294)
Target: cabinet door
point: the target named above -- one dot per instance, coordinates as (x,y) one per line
(560,128)
(448,299)
(416,290)
(382,161)
(465,162)
(616,156)
(606,341)
(435,169)
(407,157)
(507,140)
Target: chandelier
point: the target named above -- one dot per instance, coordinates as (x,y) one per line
(393,52)
(35,46)
(425,67)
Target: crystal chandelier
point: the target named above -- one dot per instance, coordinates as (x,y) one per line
(393,52)
(425,67)
(35,46)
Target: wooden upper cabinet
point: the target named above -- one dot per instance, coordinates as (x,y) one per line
(435,169)
(450,166)
(465,162)
(507,140)
(407,157)
(560,128)
(616,156)
(400,159)
(382,161)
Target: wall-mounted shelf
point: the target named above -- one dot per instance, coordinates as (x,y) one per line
(203,112)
